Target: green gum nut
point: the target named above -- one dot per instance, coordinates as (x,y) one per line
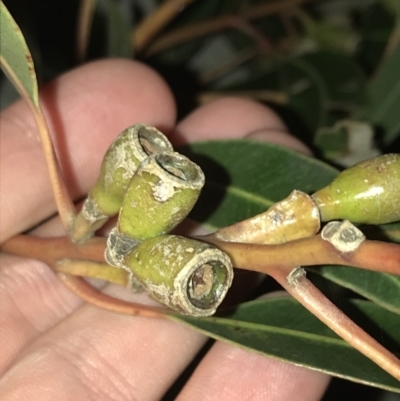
(187,275)
(121,161)
(160,195)
(368,192)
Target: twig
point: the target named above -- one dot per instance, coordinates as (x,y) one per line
(65,206)
(203,28)
(85,291)
(146,31)
(296,284)
(85,17)
(51,250)
(371,255)
(89,268)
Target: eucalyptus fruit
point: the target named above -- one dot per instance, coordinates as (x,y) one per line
(189,276)
(368,192)
(121,161)
(160,195)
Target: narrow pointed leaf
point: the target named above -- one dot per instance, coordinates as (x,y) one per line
(118,40)
(343,77)
(282,329)
(384,289)
(245,177)
(15,58)
(384,92)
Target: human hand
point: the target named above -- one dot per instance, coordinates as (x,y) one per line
(54,346)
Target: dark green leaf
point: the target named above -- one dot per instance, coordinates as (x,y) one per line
(375,26)
(343,78)
(384,92)
(15,58)
(281,328)
(119,43)
(245,177)
(307,92)
(384,289)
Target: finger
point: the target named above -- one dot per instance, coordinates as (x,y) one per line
(86,108)
(104,353)
(231,373)
(234,117)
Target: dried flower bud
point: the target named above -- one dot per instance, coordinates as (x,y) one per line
(368,192)
(187,275)
(292,218)
(160,195)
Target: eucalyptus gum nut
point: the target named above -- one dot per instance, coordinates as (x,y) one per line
(368,192)
(121,161)
(292,218)
(189,276)
(160,195)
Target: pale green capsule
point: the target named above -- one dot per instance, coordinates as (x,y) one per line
(368,192)
(160,195)
(187,275)
(121,161)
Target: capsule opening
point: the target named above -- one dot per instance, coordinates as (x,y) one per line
(207,284)
(178,166)
(152,141)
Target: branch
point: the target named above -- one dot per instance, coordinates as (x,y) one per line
(53,252)
(145,32)
(85,18)
(371,255)
(296,284)
(85,291)
(203,28)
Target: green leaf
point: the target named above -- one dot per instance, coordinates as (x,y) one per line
(344,79)
(307,92)
(118,40)
(383,289)
(384,93)
(15,58)
(305,89)
(376,25)
(282,329)
(245,177)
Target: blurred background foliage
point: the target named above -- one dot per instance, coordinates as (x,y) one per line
(330,68)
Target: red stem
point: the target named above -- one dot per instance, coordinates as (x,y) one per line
(311,251)
(85,291)
(296,284)
(371,255)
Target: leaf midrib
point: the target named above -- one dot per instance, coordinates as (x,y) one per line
(274,329)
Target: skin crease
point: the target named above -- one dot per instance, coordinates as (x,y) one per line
(53,345)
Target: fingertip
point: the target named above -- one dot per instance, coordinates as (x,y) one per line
(282,138)
(236,117)
(229,117)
